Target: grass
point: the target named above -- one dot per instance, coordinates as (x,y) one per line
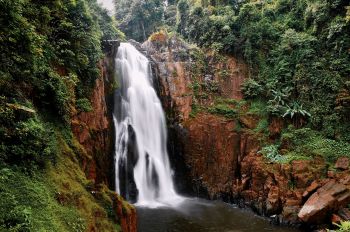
(29,204)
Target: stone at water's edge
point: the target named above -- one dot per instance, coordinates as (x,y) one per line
(329,198)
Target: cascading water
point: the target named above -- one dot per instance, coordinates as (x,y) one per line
(142,168)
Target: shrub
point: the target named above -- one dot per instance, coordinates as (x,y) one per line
(223,109)
(83,105)
(271,152)
(308,141)
(30,143)
(251,88)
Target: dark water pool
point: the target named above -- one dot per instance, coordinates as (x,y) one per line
(197,215)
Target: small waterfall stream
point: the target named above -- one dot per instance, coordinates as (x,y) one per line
(142,168)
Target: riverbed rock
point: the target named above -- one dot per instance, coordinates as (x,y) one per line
(326,199)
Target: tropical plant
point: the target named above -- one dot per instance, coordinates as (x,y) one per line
(296,112)
(278,104)
(343,226)
(271,152)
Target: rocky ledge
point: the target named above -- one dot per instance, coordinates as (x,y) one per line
(218,156)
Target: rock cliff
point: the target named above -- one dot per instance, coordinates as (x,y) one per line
(94,131)
(215,140)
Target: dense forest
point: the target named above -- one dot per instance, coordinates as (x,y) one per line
(297,51)
(49,56)
(298,58)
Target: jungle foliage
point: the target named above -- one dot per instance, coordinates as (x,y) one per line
(297,52)
(139,18)
(49,54)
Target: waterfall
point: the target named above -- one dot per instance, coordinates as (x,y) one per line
(142,168)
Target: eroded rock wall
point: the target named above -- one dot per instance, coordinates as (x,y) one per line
(95,132)
(218,156)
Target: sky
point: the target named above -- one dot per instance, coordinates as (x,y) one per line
(108,4)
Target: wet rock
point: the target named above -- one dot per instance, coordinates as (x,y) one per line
(342,163)
(326,199)
(93,131)
(212,150)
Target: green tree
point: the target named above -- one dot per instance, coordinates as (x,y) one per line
(139,18)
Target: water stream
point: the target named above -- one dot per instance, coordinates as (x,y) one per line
(142,167)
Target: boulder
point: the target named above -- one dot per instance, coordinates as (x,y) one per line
(326,199)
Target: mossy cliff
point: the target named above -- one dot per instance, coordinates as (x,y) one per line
(55,128)
(224,146)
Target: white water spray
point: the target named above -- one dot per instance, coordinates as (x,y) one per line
(141,157)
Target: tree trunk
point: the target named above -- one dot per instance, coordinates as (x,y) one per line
(143,30)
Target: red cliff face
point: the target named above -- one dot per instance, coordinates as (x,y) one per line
(221,154)
(212,150)
(230,74)
(94,131)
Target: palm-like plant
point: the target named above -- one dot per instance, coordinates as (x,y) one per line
(296,112)
(296,109)
(278,103)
